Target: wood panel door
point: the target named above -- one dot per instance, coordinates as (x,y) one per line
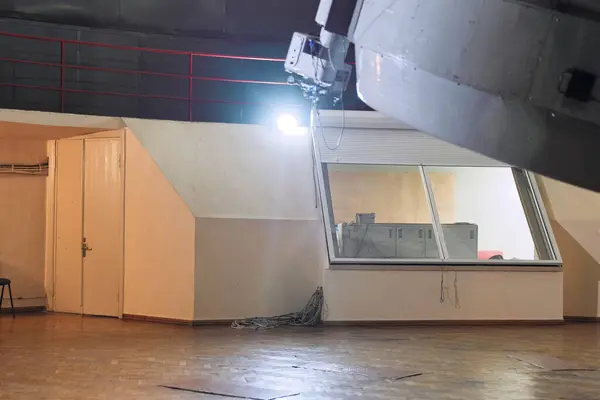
(102,246)
(89,227)
(68,226)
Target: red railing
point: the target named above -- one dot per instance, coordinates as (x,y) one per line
(190,77)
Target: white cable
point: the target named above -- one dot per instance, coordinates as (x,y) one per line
(341,137)
(315,109)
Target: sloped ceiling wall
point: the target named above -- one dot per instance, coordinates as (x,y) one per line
(231,170)
(575,218)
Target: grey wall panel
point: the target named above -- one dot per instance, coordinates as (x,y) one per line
(218,112)
(37,75)
(7,97)
(38,100)
(270,18)
(26,49)
(561,54)
(88,12)
(103,56)
(100,81)
(38,29)
(173,16)
(163,86)
(273,20)
(162,109)
(164,63)
(83,103)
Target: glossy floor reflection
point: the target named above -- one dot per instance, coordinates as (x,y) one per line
(66,357)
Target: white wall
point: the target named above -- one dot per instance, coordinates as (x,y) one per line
(159,242)
(415,295)
(245,181)
(258,235)
(256,267)
(22,224)
(578,211)
(489,198)
(233,171)
(575,217)
(259,246)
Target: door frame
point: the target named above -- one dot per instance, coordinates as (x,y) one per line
(51,233)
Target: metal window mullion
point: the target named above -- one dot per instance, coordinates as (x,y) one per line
(435,218)
(543,216)
(323,193)
(532,214)
(329,213)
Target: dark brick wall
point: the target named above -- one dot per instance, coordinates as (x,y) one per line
(226,102)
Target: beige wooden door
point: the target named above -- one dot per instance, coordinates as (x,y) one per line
(68,225)
(102,227)
(89,213)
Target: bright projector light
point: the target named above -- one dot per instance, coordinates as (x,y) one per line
(288,124)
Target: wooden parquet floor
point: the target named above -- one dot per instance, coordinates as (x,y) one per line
(51,356)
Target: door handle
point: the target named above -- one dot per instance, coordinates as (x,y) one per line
(85,248)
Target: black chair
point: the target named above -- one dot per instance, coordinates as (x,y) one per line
(6,282)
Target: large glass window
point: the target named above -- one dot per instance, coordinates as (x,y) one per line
(380,212)
(471,215)
(481,214)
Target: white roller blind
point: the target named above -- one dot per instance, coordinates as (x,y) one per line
(370,138)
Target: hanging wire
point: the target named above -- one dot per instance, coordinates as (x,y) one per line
(456,299)
(341,136)
(315,98)
(444,290)
(442,294)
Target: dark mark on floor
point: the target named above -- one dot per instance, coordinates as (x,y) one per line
(370,373)
(548,363)
(232,396)
(409,376)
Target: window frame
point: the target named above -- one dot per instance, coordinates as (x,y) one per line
(539,210)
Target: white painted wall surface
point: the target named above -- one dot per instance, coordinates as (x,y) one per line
(259,243)
(489,198)
(415,295)
(251,267)
(575,216)
(159,242)
(578,211)
(230,174)
(233,171)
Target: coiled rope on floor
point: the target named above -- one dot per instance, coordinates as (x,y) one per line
(310,315)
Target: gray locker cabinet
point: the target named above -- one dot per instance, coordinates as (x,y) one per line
(410,241)
(351,237)
(461,240)
(431,249)
(369,241)
(379,242)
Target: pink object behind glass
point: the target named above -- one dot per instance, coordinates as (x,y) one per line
(487,254)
